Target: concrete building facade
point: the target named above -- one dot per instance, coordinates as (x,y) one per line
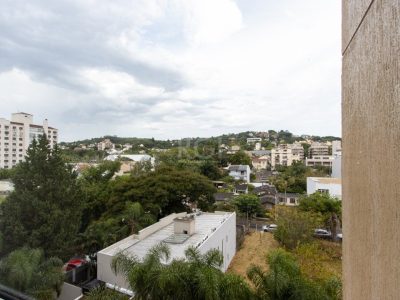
(320,160)
(318,148)
(370,173)
(283,156)
(331,186)
(17,134)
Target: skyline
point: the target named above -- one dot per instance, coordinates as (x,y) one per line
(172,69)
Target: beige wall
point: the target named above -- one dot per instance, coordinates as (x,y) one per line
(371,144)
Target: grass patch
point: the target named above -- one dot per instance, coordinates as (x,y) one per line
(254,250)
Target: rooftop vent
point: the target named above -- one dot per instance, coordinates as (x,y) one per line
(184,225)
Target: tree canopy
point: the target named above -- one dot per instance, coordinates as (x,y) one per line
(329,207)
(196,277)
(44,210)
(28,271)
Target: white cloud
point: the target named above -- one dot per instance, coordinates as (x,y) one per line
(173,68)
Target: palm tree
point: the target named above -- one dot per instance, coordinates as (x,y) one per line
(196,277)
(28,271)
(136,217)
(284,280)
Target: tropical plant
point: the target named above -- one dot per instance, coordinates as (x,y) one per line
(196,277)
(284,280)
(28,271)
(103,293)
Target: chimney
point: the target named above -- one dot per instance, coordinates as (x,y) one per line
(184,225)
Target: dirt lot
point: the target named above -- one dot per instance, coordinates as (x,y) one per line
(254,250)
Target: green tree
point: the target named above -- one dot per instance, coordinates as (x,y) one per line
(136,217)
(210,169)
(329,207)
(240,158)
(45,208)
(95,186)
(284,280)
(248,204)
(28,271)
(294,227)
(163,191)
(196,277)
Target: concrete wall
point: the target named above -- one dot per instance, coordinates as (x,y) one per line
(371,143)
(223,239)
(335,189)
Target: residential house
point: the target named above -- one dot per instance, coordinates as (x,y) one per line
(223,197)
(289,199)
(260,162)
(240,172)
(337,166)
(253,140)
(241,189)
(204,231)
(331,186)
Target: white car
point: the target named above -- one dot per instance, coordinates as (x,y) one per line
(270,227)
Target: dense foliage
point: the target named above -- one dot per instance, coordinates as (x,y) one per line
(330,208)
(27,271)
(284,280)
(248,205)
(196,277)
(294,227)
(44,211)
(293,179)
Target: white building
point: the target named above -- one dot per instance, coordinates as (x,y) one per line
(332,186)
(320,160)
(105,144)
(253,140)
(337,166)
(318,148)
(204,231)
(336,148)
(240,172)
(16,136)
(132,157)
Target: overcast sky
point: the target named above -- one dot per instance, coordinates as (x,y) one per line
(172,68)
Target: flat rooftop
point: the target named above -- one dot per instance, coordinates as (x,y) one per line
(327,180)
(140,244)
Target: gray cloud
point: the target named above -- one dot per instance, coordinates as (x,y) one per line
(51,41)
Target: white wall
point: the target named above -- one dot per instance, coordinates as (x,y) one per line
(335,189)
(337,167)
(223,239)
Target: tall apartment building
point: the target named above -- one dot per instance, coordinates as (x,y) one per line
(297,149)
(16,136)
(283,155)
(319,149)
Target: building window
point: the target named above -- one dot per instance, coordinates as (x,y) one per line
(323,191)
(292,200)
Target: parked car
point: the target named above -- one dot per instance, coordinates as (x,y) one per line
(322,233)
(270,227)
(339,236)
